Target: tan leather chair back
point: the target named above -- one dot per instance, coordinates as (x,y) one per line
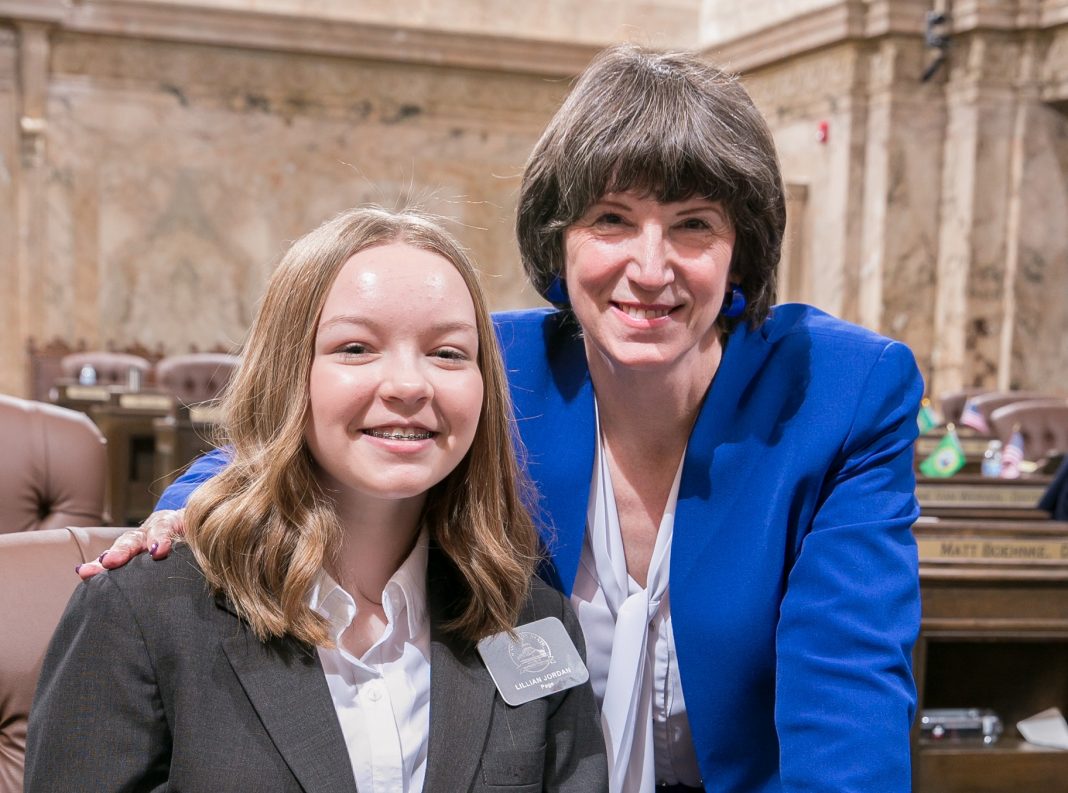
(987,403)
(52,468)
(1043,424)
(196,377)
(36,580)
(112,368)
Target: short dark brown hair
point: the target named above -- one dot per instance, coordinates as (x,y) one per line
(668,125)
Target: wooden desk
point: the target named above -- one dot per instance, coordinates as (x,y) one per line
(969,512)
(994,635)
(127,423)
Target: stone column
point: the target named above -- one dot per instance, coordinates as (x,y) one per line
(903,159)
(973,241)
(11,339)
(30,191)
(1034,339)
(1025,96)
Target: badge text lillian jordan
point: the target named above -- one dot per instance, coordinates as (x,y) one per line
(542,678)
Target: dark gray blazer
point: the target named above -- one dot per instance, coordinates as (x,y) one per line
(153,684)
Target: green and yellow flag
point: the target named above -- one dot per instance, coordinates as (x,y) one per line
(947,458)
(926,418)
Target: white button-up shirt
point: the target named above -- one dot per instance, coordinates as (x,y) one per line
(383,698)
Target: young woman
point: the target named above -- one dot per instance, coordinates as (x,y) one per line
(317,632)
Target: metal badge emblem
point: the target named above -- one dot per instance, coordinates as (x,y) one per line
(540,660)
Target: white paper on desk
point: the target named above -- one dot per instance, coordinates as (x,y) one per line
(1047,728)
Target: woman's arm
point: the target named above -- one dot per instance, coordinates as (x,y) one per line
(845,696)
(79,740)
(156,533)
(201,470)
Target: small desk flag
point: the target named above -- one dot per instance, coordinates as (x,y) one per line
(971,417)
(926,418)
(1012,455)
(947,458)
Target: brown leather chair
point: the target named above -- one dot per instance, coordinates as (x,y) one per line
(52,469)
(112,368)
(951,403)
(990,401)
(36,580)
(196,377)
(1042,422)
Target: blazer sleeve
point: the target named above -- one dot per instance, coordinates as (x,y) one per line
(575,760)
(97,721)
(845,696)
(203,468)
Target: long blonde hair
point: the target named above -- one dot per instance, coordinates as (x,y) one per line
(263,528)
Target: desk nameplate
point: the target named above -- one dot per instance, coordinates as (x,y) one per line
(986,550)
(157,402)
(994,494)
(87,393)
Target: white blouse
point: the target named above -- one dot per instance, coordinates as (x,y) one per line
(631,649)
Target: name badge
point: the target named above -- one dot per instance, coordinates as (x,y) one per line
(539,661)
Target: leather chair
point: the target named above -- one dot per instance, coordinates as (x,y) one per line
(112,368)
(1042,422)
(36,580)
(951,403)
(53,469)
(990,401)
(196,377)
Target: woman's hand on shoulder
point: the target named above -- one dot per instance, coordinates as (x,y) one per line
(154,536)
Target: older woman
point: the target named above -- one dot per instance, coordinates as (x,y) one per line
(726,487)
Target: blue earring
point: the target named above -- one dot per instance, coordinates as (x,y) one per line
(733,302)
(556,292)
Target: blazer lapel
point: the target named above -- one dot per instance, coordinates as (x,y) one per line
(553,400)
(285,684)
(461,695)
(722,456)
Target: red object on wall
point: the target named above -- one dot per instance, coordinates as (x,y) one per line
(823,131)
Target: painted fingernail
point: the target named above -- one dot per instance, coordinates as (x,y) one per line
(152,550)
(101,557)
(77,567)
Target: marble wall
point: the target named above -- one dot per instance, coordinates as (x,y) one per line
(869,235)
(665,23)
(168,177)
(178,173)
(1037,351)
(726,20)
(934,211)
(156,157)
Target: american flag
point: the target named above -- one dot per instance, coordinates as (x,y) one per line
(971,417)
(1012,455)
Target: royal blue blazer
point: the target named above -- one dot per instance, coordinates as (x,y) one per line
(794,577)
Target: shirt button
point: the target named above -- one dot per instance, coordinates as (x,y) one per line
(374,691)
